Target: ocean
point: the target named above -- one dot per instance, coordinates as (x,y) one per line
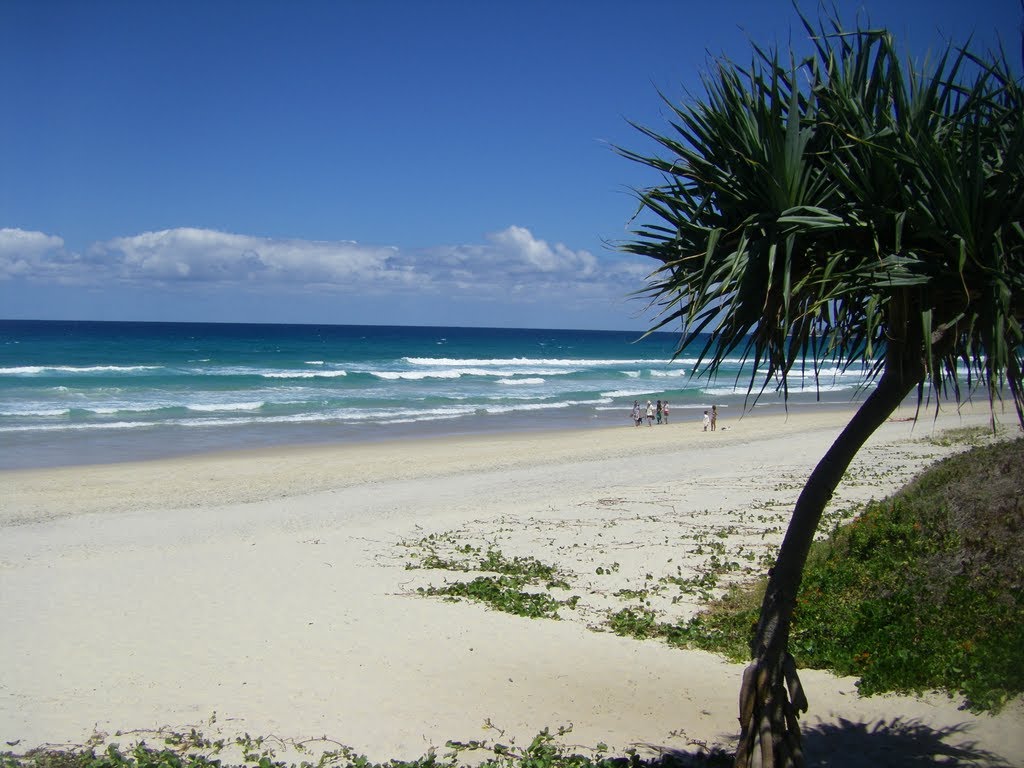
(97,392)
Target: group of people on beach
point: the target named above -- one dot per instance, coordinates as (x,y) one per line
(658,413)
(652,413)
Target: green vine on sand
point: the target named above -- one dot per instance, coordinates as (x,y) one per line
(521,586)
(504,593)
(194,750)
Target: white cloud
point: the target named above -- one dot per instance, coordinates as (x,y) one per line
(12,240)
(208,256)
(29,254)
(511,265)
(513,261)
(519,245)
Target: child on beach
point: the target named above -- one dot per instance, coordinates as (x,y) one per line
(650,414)
(664,411)
(707,421)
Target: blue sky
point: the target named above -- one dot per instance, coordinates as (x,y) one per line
(438,162)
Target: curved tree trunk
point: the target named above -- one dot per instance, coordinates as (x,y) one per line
(768,713)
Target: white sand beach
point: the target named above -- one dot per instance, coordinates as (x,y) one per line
(268,592)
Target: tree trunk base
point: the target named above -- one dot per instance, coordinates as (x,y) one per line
(771,699)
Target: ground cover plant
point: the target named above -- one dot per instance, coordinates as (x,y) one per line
(193,749)
(521,586)
(923,590)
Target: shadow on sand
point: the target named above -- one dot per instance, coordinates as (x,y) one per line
(848,744)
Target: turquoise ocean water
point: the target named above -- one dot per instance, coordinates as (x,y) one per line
(87,392)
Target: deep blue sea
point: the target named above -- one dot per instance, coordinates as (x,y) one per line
(87,392)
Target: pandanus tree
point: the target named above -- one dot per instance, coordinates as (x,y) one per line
(845,208)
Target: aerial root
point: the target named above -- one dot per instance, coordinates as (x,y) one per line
(748,696)
(767,741)
(769,716)
(796,688)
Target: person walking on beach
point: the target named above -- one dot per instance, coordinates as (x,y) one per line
(637,418)
(657,412)
(664,411)
(707,420)
(714,417)
(650,414)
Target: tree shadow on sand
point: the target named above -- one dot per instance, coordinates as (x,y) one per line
(897,743)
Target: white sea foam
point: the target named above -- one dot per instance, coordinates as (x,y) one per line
(33,410)
(138,408)
(441,362)
(542,406)
(446,373)
(795,385)
(627,393)
(80,426)
(515,382)
(417,375)
(35,370)
(302,374)
(455,373)
(349,415)
(210,407)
